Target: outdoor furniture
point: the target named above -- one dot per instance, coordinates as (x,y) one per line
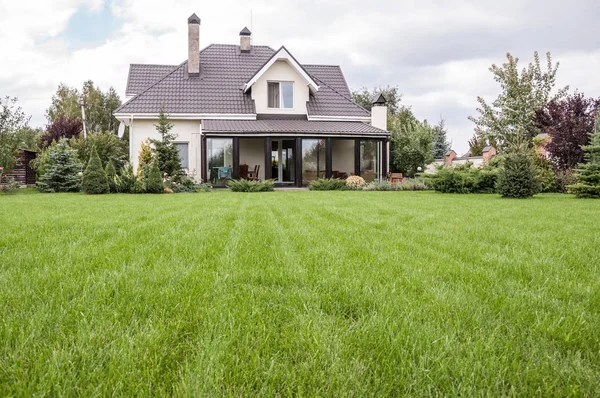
(395,178)
(339,175)
(243,171)
(253,175)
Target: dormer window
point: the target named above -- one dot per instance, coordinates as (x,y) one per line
(281,95)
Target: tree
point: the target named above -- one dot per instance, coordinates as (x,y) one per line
(107,144)
(111,176)
(588,174)
(411,148)
(364,97)
(94,177)
(476,145)
(568,122)
(12,120)
(154,182)
(144,160)
(510,118)
(440,140)
(99,106)
(517,177)
(62,127)
(61,169)
(167,156)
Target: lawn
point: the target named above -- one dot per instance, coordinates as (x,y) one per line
(299,293)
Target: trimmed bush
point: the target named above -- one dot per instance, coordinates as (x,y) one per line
(381,186)
(517,176)
(464,179)
(154,182)
(111,177)
(413,184)
(251,186)
(94,177)
(327,184)
(138,187)
(355,182)
(61,168)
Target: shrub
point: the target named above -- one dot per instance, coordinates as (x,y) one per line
(108,146)
(111,176)
(381,186)
(94,177)
(485,180)
(517,176)
(185,183)
(413,184)
(544,175)
(62,170)
(144,160)
(355,182)
(564,178)
(124,182)
(251,186)
(138,186)
(154,182)
(588,174)
(464,179)
(327,184)
(11,187)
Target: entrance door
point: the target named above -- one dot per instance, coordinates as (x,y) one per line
(282,160)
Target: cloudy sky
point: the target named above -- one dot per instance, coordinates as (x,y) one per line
(436,51)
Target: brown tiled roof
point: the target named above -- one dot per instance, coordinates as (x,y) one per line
(219,89)
(291,126)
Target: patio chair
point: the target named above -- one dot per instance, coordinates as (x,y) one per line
(253,174)
(224,173)
(395,178)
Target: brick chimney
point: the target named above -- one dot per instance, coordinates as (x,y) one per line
(245,40)
(488,153)
(449,157)
(193,46)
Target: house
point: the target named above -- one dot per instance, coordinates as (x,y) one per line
(245,107)
(22,171)
(451,159)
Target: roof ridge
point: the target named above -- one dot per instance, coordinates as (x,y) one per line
(323,65)
(154,65)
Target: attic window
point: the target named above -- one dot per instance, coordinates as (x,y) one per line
(281,95)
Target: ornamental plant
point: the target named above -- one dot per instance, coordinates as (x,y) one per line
(111,176)
(154,182)
(355,182)
(588,174)
(62,170)
(94,177)
(517,177)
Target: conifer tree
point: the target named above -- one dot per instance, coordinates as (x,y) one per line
(94,177)
(516,178)
(588,174)
(440,140)
(61,169)
(154,182)
(166,152)
(144,160)
(111,176)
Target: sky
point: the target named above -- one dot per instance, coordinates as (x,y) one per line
(436,51)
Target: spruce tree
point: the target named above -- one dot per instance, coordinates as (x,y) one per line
(111,176)
(588,174)
(61,169)
(94,177)
(154,182)
(440,140)
(516,178)
(166,152)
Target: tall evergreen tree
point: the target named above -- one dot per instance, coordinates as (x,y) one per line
(167,156)
(61,169)
(440,144)
(588,174)
(94,177)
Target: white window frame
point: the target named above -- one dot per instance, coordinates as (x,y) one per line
(281,93)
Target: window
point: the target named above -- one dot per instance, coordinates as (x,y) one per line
(281,95)
(313,160)
(182,150)
(219,159)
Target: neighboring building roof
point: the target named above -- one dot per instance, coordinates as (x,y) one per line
(219,89)
(449,152)
(542,136)
(487,149)
(143,76)
(295,126)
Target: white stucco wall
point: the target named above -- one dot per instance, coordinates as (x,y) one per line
(280,71)
(342,153)
(187,131)
(252,152)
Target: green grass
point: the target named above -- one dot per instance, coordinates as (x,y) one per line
(299,293)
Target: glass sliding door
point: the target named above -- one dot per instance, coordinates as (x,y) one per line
(282,160)
(313,160)
(219,159)
(370,160)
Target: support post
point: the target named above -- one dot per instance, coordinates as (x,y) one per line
(203,166)
(384,159)
(298,161)
(328,158)
(268,164)
(236,158)
(357,156)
